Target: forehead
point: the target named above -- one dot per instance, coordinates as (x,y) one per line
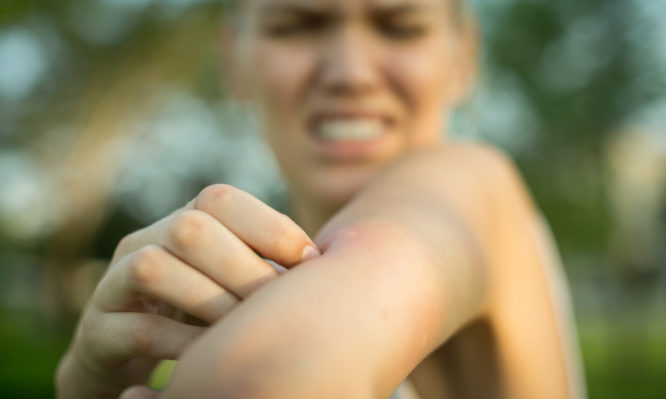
(340,5)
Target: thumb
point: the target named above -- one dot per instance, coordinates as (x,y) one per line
(139,392)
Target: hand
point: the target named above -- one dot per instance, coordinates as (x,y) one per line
(200,260)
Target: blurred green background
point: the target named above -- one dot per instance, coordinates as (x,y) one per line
(112,113)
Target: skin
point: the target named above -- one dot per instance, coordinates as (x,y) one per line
(420,241)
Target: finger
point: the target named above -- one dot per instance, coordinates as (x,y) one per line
(201,241)
(139,392)
(122,336)
(155,273)
(269,232)
(145,236)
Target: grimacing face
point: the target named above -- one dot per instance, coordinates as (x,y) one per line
(343,87)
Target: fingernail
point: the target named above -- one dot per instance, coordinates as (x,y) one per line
(309,252)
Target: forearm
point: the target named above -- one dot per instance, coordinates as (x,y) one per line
(333,327)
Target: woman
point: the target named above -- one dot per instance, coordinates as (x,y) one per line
(417,243)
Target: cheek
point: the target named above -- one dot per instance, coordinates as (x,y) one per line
(279,75)
(424,76)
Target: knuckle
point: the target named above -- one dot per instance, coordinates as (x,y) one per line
(216,196)
(141,337)
(144,267)
(187,228)
(87,330)
(126,242)
(91,335)
(287,241)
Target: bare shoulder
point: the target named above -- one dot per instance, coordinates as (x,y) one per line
(487,167)
(469,150)
(494,166)
(480,183)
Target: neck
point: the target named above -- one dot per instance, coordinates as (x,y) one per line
(310,214)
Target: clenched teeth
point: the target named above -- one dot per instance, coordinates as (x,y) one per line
(350,129)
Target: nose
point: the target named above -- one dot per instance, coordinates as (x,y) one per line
(348,66)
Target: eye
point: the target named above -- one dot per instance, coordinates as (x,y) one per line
(402,30)
(294,27)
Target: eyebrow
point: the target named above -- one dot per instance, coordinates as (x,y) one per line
(395,9)
(290,8)
(381,10)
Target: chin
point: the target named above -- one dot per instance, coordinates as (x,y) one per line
(335,186)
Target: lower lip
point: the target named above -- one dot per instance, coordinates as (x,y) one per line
(350,150)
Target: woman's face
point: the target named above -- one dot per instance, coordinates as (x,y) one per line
(343,87)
